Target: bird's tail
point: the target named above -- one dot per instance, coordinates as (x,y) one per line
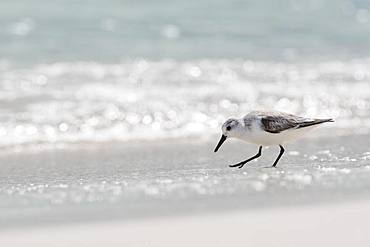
(315,122)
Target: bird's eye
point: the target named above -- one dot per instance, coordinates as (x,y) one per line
(228,128)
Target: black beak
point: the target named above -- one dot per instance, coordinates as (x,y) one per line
(223,138)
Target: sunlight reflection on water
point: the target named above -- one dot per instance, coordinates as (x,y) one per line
(146,100)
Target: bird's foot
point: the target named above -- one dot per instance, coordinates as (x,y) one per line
(239,165)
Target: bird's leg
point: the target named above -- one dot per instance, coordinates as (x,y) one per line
(280,154)
(241,164)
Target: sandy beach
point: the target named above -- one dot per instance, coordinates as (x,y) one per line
(343,224)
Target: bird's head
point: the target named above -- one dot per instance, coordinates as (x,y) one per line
(231,128)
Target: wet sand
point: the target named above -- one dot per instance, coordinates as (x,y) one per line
(129,181)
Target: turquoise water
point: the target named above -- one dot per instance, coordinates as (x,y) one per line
(110,31)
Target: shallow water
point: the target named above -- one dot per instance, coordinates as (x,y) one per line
(72,102)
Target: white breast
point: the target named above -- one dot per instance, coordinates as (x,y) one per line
(260,137)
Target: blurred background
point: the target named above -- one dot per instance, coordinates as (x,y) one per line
(111,109)
(115,31)
(72,70)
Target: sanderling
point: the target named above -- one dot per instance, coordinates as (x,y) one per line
(266,129)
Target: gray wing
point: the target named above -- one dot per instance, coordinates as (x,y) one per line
(278,122)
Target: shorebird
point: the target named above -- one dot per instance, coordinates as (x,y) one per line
(267,129)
